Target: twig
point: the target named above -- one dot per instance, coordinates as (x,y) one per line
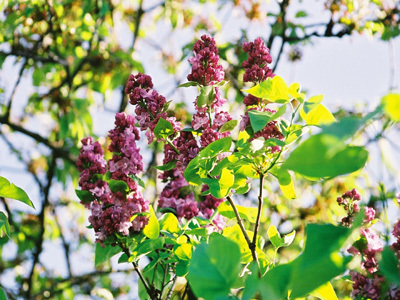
(149,289)
(260,204)
(252,246)
(42,214)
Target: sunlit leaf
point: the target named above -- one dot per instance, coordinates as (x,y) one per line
(9,190)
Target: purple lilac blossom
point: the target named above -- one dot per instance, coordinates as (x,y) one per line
(206,69)
(256,66)
(149,104)
(113,212)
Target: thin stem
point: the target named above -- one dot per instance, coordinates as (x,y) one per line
(260,204)
(173,146)
(149,289)
(251,245)
(169,295)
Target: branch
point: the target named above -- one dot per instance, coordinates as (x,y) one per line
(252,246)
(260,204)
(42,214)
(149,289)
(58,151)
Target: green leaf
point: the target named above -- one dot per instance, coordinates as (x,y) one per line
(214,268)
(273,286)
(221,187)
(273,89)
(325,292)
(259,119)
(101,255)
(215,148)
(315,113)
(168,166)
(118,186)
(169,223)
(389,266)
(84,196)
(4,226)
(138,180)
(285,182)
(246,213)
(163,129)
(234,233)
(9,190)
(207,95)
(326,156)
(391,106)
(152,229)
(274,236)
(184,251)
(187,84)
(321,259)
(195,172)
(3,295)
(294,91)
(228,126)
(301,14)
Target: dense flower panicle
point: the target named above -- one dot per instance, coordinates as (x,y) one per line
(137,86)
(175,195)
(114,212)
(347,200)
(256,66)
(149,104)
(369,214)
(206,69)
(90,163)
(373,246)
(366,288)
(250,100)
(396,234)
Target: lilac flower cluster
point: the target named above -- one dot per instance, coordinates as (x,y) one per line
(256,66)
(150,105)
(206,69)
(91,163)
(348,201)
(396,234)
(368,284)
(208,120)
(114,211)
(270,130)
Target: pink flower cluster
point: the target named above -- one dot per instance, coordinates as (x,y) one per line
(348,202)
(369,284)
(256,66)
(208,120)
(150,105)
(90,163)
(206,69)
(396,234)
(117,211)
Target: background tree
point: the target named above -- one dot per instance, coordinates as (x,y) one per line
(64,68)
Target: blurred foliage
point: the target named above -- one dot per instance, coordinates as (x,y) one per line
(72,58)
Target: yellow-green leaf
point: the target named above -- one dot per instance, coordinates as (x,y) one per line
(273,89)
(152,229)
(391,105)
(325,292)
(319,115)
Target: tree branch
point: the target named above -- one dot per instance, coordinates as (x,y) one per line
(243,229)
